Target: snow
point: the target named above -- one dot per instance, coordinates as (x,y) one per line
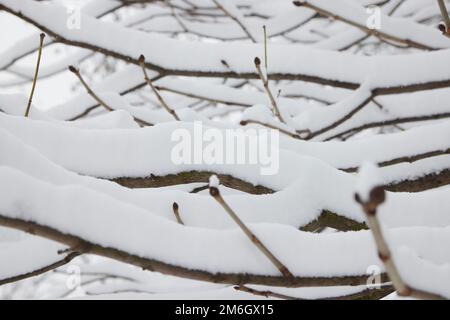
(214,181)
(375,103)
(225,251)
(368,179)
(285,59)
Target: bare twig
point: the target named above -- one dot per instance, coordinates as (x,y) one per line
(155,91)
(370,206)
(36,73)
(265,293)
(235,19)
(177,213)
(290,134)
(265,82)
(265,48)
(42,270)
(215,193)
(368,294)
(76,72)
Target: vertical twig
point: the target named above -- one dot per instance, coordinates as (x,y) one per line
(265,49)
(177,213)
(155,91)
(265,82)
(446,19)
(36,73)
(215,193)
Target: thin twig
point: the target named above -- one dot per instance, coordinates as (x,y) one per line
(370,206)
(265,293)
(215,193)
(76,72)
(368,294)
(177,213)
(36,73)
(265,82)
(266,63)
(42,270)
(235,19)
(290,134)
(155,91)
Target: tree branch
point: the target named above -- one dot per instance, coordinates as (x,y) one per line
(215,193)
(155,91)
(68,258)
(178,271)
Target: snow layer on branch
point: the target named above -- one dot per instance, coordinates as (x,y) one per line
(298,193)
(30,43)
(383,71)
(99,218)
(113,156)
(369,177)
(214,181)
(399,27)
(15,104)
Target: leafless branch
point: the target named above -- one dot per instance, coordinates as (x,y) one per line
(76,72)
(155,91)
(179,271)
(215,193)
(68,258)
(235,19)
(265,82)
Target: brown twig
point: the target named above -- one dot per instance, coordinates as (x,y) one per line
(42,270)
(375,198)
(76,72)
(155,91)
(36,73)
(368,294)
(265,82)
(215,193)
(290,134)
(265,293)
(177,213)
